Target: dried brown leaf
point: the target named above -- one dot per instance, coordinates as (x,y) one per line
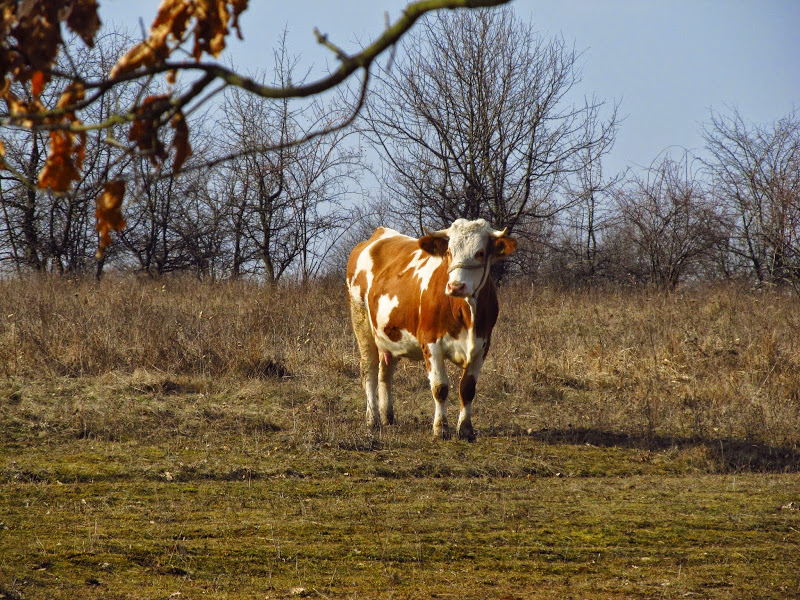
(38,81)
(109,213)
(74,93)
(30,38)
(82,18)
(180,142)
(143,130)
(172,19)
(239,6)
(38,32)
(212,27)
(211,19)
(67,149)
(64,161)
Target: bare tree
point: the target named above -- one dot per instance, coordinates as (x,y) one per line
(55,232)
(476,120)
(199,221)
(576,251)
(756,174)
(176,223)
(667,221)
(148,235)
(31,42)
(285,205)
(23,243)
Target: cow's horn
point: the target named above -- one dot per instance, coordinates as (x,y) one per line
(442,233)
(499,234)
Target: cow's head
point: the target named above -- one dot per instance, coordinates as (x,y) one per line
(469,249)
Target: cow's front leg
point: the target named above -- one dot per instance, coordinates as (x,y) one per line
(466,391)
(388,364)
(440,386)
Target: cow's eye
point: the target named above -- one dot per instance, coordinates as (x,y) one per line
(480,254)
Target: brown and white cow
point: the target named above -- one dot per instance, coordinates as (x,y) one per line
(427,299)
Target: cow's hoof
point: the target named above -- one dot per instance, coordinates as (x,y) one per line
(441,432)
(465,432)
(388,419)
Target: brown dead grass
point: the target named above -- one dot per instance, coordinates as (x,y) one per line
(55,327)
(719,365)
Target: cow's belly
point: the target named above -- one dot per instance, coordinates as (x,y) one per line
(461,351)
(402,344)
(391,333)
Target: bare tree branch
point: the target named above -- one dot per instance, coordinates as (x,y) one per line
(30,42)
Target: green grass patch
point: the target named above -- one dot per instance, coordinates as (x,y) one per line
(277,491)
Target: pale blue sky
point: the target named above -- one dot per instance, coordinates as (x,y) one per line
(668,63)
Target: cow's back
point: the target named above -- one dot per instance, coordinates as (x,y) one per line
(365,259)
(389,264)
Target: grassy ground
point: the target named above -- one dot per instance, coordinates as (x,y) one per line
(174,440)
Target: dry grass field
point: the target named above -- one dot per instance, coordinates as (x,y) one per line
(181,440)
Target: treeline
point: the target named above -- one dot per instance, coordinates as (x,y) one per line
(731,213)
(477,116)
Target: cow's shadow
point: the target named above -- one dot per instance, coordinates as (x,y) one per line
(730,455)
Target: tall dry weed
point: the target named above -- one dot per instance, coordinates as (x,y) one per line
(718,363)
(55,327)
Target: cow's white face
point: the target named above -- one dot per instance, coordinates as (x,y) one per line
(470,247)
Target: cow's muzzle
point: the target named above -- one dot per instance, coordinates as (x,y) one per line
(457,289)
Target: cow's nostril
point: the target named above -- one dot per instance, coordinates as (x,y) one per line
(456,288)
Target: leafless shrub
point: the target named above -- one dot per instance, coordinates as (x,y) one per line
(668,222)
(756,175)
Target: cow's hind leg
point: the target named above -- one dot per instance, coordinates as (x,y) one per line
(388,364)
(369,359)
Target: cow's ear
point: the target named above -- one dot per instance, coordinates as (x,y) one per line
(434,244)
(503,246)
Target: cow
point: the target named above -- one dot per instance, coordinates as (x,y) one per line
(430,299)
